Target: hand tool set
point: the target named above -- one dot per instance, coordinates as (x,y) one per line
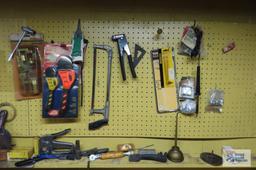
(49,148)
(62,82)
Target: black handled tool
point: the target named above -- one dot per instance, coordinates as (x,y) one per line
(198,90)
(48,144)
(124,48)
(25,31)
(160,157)
(105,110)
(5,136)
(33,160)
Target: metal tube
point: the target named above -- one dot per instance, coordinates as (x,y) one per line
(17,45)
(94,78)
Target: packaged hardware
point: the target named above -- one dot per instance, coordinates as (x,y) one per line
(216,101)
(27,66)
(60,83)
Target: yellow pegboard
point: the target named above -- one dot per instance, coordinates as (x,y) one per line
(133,107)
(20,125)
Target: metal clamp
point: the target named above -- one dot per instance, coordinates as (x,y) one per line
(105,110)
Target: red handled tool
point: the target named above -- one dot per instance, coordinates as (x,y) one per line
(67,76)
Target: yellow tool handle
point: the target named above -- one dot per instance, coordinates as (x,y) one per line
(111,155)
(52,83)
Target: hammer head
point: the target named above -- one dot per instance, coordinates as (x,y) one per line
(118,36)
(28,30)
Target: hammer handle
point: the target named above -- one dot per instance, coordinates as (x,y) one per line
(112,155)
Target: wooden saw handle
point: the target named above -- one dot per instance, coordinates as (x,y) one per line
(111,155)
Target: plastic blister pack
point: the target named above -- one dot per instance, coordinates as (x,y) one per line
(27,66)
(187,103)
(187,88)
(188,106)
(60,83)
(216,101)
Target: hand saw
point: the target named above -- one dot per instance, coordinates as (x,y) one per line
(67,76)
(52,82)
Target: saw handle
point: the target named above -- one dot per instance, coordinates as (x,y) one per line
(97,124)
(111,155)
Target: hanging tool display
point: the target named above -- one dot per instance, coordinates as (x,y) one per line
(164,73)
(110,155)
(67,76)
(60,83)
(124,48)
(190,45)
(52,82)
(26,31)
(105,110)
(175,154)
(49,148)
(79,46)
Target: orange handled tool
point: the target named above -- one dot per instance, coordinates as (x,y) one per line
(67,76)
(110,155)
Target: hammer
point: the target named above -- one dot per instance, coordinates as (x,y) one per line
(25,31)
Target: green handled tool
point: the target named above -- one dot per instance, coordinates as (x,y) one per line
(79,44)
(77,52)
(52,82)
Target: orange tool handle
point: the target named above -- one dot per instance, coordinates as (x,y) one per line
(67,78)
(112,155)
